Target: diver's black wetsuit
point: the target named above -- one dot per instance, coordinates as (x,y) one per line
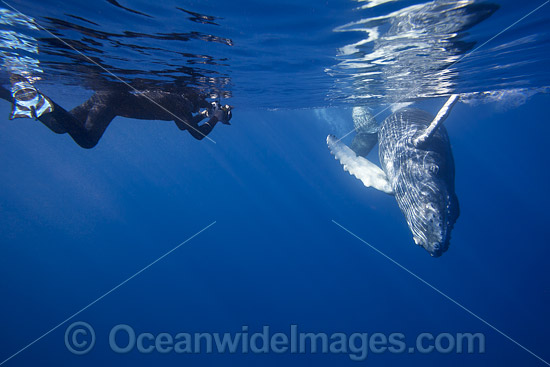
(87,123)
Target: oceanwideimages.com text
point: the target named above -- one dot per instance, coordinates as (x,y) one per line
(122,338)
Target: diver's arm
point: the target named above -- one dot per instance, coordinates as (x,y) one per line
(219,114)
(199,117)
(200,132)
(191,124)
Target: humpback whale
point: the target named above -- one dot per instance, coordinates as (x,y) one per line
(417,167)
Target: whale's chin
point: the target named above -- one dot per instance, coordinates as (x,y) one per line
(432,228)
(436,249)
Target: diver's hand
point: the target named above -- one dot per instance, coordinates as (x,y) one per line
(214,110)
(222,113)
(227,114)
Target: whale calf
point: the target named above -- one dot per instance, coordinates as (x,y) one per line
(417,167)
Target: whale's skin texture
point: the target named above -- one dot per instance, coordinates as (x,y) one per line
(366,128)
(422,178)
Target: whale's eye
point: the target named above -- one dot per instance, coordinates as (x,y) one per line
(434,168)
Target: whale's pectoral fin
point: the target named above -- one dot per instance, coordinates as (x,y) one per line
(363,143)
(369,173)
(438,120)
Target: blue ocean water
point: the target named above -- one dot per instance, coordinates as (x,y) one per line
(76,223)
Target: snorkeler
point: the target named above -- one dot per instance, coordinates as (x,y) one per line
(87,123)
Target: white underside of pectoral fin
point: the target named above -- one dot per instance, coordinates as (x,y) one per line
(369,173)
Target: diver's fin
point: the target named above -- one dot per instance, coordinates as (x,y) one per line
(28,101)
(370,174)
(438,120)
(363,143)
